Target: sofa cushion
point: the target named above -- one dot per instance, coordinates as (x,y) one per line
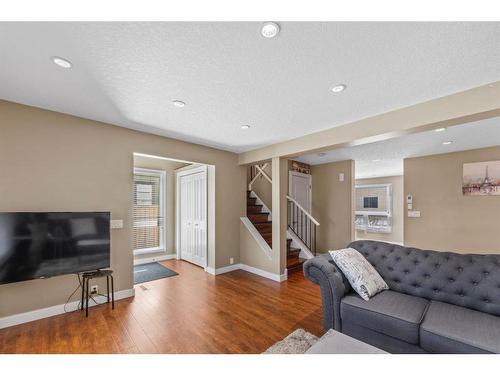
(364,279)
(395,314)
(453,329)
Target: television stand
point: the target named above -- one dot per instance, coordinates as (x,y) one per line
(87,276)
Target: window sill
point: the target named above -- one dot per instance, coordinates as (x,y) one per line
(150,250)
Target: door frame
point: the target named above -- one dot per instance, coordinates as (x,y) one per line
(291,174)
(186,171)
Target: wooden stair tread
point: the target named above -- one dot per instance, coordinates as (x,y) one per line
(258,217)
(293,252)
(294,262)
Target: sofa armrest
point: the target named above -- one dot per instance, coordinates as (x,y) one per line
(322,271)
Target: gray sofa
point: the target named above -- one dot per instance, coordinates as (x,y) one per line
(438,302)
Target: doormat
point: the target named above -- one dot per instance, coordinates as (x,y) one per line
(151,271)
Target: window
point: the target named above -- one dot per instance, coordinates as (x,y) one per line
(148,213)
(370,202)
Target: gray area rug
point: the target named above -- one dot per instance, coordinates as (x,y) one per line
(151,271)
(296,342)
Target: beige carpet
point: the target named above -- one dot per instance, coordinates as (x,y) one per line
(296,342)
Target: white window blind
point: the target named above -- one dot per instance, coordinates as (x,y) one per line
(148,210)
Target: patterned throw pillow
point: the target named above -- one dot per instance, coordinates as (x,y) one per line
(364,279)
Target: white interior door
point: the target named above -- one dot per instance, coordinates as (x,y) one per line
(192,215)
(300,189)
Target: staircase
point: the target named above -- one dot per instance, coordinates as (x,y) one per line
(261,222)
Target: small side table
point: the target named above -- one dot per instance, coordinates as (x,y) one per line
(87,276)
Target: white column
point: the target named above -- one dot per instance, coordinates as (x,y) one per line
(279,213)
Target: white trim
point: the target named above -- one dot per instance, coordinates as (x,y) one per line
(266,274)
(189,167)
(265,209)
(264,246)
(263,173)
(210,270)
(154,259)
(305,253)
(149,250)
(185,171)
(163,158)
(264,166)
(244,267)
(303,210)
(163,212)
(231,268)
(46,312)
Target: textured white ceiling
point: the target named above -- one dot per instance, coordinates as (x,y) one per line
(229,75)
(479,134)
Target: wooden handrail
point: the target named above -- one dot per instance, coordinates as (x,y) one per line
(303,210)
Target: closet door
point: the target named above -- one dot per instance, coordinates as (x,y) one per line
(193,216)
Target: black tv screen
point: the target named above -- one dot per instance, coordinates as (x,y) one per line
(37,245)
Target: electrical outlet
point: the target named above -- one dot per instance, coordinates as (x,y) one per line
(94,289)
(231,260)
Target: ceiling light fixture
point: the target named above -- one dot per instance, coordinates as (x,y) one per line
(439,130)
(63,63)
(245,127)
(338,88)
(178,103)
(446,143)
(269,29)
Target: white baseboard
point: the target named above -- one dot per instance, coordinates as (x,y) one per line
(266,274)
(46,312)
(210,270)
(232,267)
(244,267)
(154,259)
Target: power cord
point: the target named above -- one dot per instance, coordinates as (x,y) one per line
(72,294)
(80,286)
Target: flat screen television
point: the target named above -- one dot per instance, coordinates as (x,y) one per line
(35,245)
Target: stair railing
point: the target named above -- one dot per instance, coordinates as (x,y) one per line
(302,223)
(256,171)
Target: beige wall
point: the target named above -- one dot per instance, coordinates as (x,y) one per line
(332,204)
(251,254)
(169,166)
(55,162)
(397,210)
(449,220)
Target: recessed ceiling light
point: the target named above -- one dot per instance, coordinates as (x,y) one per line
(440,130)
(447,143)
(338,88)
(63,63)
(375,160)
(321,154)
(178,103)
(269,29)
(245,127)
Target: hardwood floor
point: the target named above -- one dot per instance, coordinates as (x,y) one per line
(195,312)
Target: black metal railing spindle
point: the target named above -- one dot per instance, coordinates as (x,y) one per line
(302,225)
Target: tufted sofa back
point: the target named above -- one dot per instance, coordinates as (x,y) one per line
(468,280)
